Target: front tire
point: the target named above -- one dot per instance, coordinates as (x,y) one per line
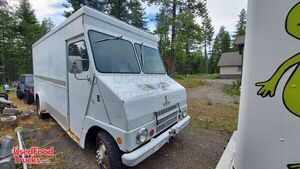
(28,99)
(108,153)
(19,94)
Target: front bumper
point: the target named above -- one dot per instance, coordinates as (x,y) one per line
(137,156)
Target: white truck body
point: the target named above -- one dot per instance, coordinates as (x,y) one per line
(269,124)
(118,103)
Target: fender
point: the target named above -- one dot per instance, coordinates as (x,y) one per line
(42,99)
(114,131)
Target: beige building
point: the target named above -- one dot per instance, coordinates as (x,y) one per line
(231,63)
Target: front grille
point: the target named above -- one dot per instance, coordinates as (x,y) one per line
(162,122)
(161,112)
(166,124)
(166,118)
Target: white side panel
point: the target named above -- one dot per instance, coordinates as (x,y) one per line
(268,133)
(49,64)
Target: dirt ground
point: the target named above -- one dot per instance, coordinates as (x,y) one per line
(191,149)
(197,147)
(212,92)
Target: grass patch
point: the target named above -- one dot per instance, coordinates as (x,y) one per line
(213,116)
(232,91)
(207,76)
(190,82)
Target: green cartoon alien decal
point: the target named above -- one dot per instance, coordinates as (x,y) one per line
(291,93)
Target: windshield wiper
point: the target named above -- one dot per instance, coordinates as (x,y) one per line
(107,39)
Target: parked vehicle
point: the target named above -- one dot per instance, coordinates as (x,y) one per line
(25,88)
(103,81)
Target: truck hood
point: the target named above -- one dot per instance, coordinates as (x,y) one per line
(141,96)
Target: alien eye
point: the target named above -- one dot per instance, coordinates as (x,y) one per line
(298,24)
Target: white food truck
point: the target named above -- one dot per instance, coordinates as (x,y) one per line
(268,135)
(104,82)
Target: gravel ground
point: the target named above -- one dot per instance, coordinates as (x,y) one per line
(213,92)
(191,149)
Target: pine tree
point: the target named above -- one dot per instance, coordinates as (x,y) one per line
(241,25)
(3,3)
(208,31)
(136,14)
(47,24)
(222,44)
(130,11)
(119,9)
(173,7)
(29,31)
(188,39)
(7,42)
(101,5)
(162,30)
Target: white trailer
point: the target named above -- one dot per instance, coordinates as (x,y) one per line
(268,134)
(103,81)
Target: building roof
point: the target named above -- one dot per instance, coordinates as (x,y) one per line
(230,59)
(240,40)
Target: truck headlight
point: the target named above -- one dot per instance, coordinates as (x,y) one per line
(142,136)
(184,111)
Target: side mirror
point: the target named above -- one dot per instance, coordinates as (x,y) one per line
(75,64)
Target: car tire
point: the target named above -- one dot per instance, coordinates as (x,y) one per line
(107,147)
(28,99)
(40,115)
(19,94)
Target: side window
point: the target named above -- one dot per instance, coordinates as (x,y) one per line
(79,49)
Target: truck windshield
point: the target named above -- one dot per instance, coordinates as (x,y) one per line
(113,55)
(150,60)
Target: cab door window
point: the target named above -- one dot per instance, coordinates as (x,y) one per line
(79,49)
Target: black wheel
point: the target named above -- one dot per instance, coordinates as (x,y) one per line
(19,94)
(28,99)
(108,153)
(38,110)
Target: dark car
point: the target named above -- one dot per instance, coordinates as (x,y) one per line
(25,88)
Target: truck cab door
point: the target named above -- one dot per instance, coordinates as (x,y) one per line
(78,86)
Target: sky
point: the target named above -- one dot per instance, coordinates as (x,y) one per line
(222,12)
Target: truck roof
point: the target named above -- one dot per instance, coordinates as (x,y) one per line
(100,16)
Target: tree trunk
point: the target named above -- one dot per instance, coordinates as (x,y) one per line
(173,37)
(205,54)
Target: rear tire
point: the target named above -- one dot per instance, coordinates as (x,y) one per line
(38,110)
(108,153)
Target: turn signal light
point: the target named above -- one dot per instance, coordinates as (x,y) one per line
(119,140)
(151,133)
